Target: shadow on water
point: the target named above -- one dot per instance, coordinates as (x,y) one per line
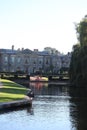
(29,110)
(78,107)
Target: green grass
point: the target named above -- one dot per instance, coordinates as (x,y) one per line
(11,91)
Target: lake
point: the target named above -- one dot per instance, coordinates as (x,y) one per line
(54,108)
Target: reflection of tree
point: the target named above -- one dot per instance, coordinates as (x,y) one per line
(78,108)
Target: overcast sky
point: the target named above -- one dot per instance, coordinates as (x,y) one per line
(36,24)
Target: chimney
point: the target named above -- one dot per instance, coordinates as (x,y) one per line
(12,47)
(35,50)
(18,49)
(22,49)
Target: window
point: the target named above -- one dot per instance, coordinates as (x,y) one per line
(26,61)
(47,62)
(34,62)
(40,62)
(12,59)
(19,59)
(6,59)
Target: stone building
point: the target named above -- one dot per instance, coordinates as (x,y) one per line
(28,61)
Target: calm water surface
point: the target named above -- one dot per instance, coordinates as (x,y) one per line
(53,108)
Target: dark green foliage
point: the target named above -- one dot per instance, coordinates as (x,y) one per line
(78,66)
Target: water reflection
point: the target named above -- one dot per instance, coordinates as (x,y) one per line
(54,107)
(40,88)
(28,109)
(38,85)
(77,97)
(78,107)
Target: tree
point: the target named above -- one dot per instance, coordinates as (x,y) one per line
(81,29)
(78,65)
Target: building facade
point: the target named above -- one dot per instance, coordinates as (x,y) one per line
(28,61)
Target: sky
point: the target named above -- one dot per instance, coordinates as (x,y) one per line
(36,24)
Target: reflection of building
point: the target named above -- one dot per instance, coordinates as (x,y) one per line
(25,60)
(37,84)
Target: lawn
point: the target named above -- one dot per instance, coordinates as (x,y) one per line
(10,91)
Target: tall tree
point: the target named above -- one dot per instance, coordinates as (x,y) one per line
(78,66)
(81,29)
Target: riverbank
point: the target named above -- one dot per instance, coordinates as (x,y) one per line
(12,94)
(15,104)
(26,82)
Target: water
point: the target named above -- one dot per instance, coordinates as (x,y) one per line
(54,107)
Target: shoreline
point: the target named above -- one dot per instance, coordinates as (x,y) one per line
(26,101)
(27,81)
(15,104)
